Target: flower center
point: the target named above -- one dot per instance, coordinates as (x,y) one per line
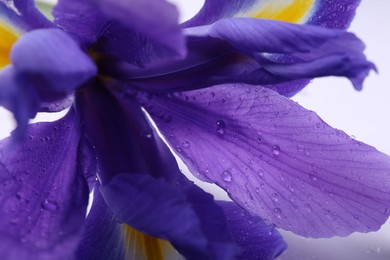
(8,37)
(288,11)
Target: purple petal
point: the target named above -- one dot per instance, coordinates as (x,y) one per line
(23,14)
(43,198)
(314,51)
(118,125)
(277,159)
(257,239)
(156,208)
(63,66)
(332,14)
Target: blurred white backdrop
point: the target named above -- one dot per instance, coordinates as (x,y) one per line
(362,114)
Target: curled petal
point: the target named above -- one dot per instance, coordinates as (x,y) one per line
(43,198)
(63,66)
(292,52)
(276,159)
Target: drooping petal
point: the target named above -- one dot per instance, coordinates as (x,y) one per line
(63,66)
(23,14)
(102,237)
(105,25)
(213,222)
(292,51)
(277,159)
(156,208)
(43,198)
(118,125)
(257,239)
(106,238)
(19,98)
(332,14)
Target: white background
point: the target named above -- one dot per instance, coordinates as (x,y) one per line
(362,114)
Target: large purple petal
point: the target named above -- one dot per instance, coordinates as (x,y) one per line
(333,14)
(300,51)
(277,159)
(43,198)
(23,14)
(63,66)
(257,239)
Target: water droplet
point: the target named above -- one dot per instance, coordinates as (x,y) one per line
(275,150)
(275,197)
(300,148)
(227,176)
(50,205)
(308,207)
(277,210)
(220,127)
(185,144)
(313,175)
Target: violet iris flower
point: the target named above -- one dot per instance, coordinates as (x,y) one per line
(217,88)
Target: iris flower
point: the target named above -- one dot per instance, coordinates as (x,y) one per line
(217,88)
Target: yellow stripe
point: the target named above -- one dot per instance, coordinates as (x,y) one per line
(8,37)
(144,247)
(287,11)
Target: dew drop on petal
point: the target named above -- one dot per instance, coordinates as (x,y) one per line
(300,148)
(227,176)
(275,150)
(220,127)
(50,205)
(185,144)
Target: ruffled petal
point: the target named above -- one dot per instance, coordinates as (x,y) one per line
(277,159)
(43,198)
(298,51)
(23,14)
(63,66)
(156,19)
(333,14)
(257,239)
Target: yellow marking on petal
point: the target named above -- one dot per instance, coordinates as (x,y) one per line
(144,247)
(287,11)
(8,36)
